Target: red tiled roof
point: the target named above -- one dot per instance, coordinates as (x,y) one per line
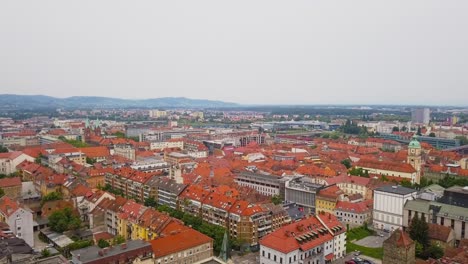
(284,239)
(359,207)
(439,232)
(102,235)
(8,206)
(95,152)
(389,166)
(10,155)
(178,241)
(10,182)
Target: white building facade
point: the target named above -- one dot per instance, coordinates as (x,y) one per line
(389,204)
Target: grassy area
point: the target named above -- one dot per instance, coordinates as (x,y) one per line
(371,252)
(358,233)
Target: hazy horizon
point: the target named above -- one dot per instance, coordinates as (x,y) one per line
(246,52)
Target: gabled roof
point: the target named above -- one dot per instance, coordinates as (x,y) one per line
(8,206)
(10,155)
(439,232)
(304,235)
(178,240)
(10,182)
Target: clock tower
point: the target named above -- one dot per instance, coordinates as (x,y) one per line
(414,156)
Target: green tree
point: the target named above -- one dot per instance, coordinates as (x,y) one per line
(2,192)
(276,199)
(434,251)
(103,243)
(419,248)
(347,163)
(38,160)
(404,129)
(45,253)
(419,231)
(118,239)
(90,160)
(120,134)
(150,202)
(395,129)
(63,220)
(432,134)
(3,149)
(419,132)
(53,196)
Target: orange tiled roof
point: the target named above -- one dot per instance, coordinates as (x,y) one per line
(95,152)
(10,182)
(178,241)
(284,239)
(390,166)
(8,206)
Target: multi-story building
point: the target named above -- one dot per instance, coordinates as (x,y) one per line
(104,217)
(131,182)
(182,245)
(393,169)
(388,208)
(327,197)
(128,216)
(310,240)
(19,219)
(455,217)
(191,200)
(215,208)
(302,191)
(11,187)
(168,192)
(352,185)
(176,158)
(265,184)
(9,161)
(421,116)
(124,150)
(354,214)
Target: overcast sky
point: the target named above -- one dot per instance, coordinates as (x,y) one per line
(265,52)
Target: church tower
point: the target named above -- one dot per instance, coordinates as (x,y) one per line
(414,157)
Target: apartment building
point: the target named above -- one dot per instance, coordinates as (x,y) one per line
(19,219)
(354,214)
(182,245)
(302,191)
(265,184)
(310,240)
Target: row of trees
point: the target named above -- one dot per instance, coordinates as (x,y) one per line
(213,231)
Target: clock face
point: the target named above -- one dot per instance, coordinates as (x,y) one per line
(413,150)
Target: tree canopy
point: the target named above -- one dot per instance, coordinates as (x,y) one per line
(63,220)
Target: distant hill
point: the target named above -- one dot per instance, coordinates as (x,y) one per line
(13,101)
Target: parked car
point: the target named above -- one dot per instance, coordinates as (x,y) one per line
(357,253)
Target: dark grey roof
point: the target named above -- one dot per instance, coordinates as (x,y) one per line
(258,176)
(14,246)
(396,189)
(171,186)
